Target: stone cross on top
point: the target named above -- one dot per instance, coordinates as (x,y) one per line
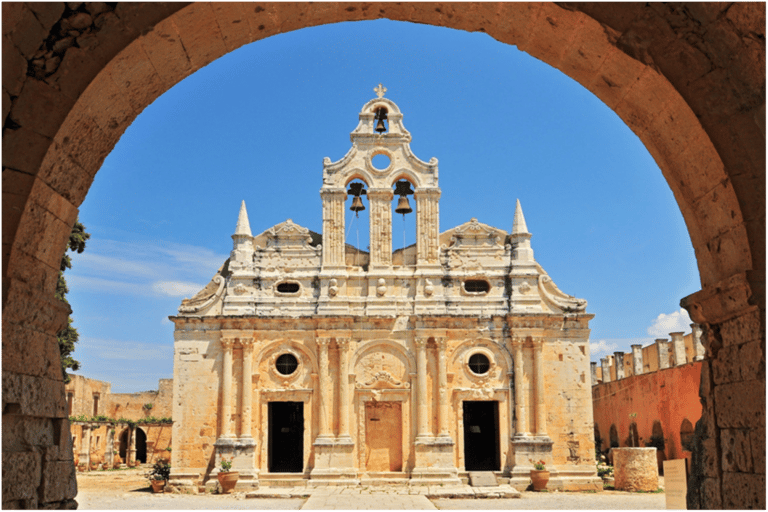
(380,90)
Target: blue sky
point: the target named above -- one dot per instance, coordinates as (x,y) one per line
(256,124)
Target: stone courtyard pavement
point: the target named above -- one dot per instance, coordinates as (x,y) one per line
(130,490)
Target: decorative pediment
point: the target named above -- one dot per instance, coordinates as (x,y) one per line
(474,233)
(288,233)
(383,380)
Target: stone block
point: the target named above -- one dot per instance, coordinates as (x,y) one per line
(200,34)
(64,175)
(752,356)
(232,22)
(166,53)
(757,442)
(59,481)
(727,367)
(30,352)
(618,72)
(36,396)
(743,491)
(710,493)
(83,140)
(710,458)
(134,74)
(23,28)
(139,17)
(109,106)
(25,304)
(14,68)
(736,450)
(740,404)
(24,149)
(43,235)
(47,13)
(742,329)
(40,107)
(21,475)
(78,68)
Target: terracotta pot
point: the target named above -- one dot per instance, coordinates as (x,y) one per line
(539,477)
(157,485)
(228,481)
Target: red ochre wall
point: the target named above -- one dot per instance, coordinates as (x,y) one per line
(669,396)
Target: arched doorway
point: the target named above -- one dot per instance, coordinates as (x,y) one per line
(702,118)
(141,445)
(124,440)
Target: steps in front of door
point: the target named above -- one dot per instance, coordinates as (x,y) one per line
(283,480)
(384,478)
(482,479)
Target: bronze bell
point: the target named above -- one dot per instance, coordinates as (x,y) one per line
(357,204)
(403,206)
(381,116)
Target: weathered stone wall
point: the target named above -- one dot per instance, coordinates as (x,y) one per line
(689,79)
(132,406)
(668,396)
(83,390)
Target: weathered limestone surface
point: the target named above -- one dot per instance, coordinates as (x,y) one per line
(635,469)
(689,79)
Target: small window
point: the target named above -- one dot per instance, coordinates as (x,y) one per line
(288,287)
(286,364)
(476,286)
(479,364)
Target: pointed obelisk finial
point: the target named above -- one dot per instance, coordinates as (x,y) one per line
(243,226)
(518,224)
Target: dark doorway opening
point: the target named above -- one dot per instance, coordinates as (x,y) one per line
(141,446)
(286,437)
(124,445)
(481,436)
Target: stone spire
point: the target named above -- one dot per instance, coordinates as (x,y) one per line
(243,226)
(518,225)
(520,238)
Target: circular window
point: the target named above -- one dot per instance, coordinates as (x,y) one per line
(286,364)
(479,364)
(380,161)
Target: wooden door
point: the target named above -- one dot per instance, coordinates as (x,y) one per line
(383,436)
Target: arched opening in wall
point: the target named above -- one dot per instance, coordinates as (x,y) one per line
(404,222)
(686,435)
(614,437)
(657,441)
(357,225)
(123,450)
(633,440)
(141,445)
(598,442)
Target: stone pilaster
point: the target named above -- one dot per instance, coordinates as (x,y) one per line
(521,412)
(593,372)
(132,450)
(442,384)
(637,359)
(326,388)
(427,226)
(85,445)
(381,227)
(333,228)
(663,350)
(678,348)
(227,345)
(698,346)
(246,404)
(344,398)
(422,420)
(539,392)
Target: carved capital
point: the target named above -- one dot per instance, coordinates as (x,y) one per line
(338,194)
(247,343)
(441,342)
(343,343)
(420,342)
(228,343)
(323,342)
(386,194)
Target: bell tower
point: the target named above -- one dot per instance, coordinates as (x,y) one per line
(380,131)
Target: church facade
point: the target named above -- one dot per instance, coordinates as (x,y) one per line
(306,359)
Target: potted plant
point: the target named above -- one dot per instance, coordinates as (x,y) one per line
(116,461)
(227,478)
(539,475)
(161,472)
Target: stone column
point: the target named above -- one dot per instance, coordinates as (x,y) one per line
(521,426)
(606,369)
(226,387)
(593,371)
(421,390)
(663,350)
(637,359)
(85,445)
(618,360)
(442,385)
(427,225)
(698,346)
(539,393)
(246,404)
(678,348)
(326,388)
(333,227)
(381,227)
(132,450)
(344,398)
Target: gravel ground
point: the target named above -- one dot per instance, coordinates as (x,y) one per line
(129,489)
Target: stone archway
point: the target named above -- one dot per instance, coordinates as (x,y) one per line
(688,80)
